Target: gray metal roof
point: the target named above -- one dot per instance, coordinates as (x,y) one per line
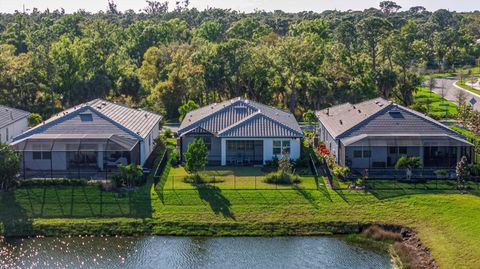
(10,115)
(104,117)
(380,117)
(242,118)
(341,118)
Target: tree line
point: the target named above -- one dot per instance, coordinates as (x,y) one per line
(160,59)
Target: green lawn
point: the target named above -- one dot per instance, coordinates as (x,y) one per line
(233,178)
(432,102)
(447,222)
(466,87)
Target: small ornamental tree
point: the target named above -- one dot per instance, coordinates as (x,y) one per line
(196,156)
(309,116)
(408,163)
(185,108)
(463,172)
(34,119)
(9,166)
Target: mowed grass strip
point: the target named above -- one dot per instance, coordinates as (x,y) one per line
(247,178)
(447,221)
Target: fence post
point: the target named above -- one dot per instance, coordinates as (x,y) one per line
(255,182)
(234,182)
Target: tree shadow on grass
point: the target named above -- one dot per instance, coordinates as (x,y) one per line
(14,220)
(216,200)
(307,195)
(342,195)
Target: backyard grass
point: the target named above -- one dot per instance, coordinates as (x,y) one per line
(447,221)
(433,101)
(233,178)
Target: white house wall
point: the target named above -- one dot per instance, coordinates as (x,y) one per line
(14,129)
(147,146)
(328,140)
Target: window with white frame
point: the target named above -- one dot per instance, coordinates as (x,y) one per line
(281,147)
(41,152)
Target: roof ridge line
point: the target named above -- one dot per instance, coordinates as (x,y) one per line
(214,113)
(258,112)
(119,125)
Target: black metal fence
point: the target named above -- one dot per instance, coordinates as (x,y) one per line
(416,185)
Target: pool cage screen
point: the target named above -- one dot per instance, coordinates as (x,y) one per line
(92,157)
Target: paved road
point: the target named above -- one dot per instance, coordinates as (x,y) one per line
(451,92)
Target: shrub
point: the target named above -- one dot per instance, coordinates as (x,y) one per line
(408,163)
(173,158)
(198,179)
(281,178)
(475,170)
(271,165)
(441,173)
(340,171)
(168,133)
(129,175)
(9,166)
(376,232)
(34,119)
(54,182)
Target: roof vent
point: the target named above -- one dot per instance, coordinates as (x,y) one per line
(341,122)
(328,111)
(146,115)
(104,103)
(354,107)
(395,114)
(86,117)
(99,107)
(359,111)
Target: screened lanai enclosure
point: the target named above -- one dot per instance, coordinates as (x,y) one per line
(379,153)
(75,156)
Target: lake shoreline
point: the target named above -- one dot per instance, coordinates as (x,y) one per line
(410,245)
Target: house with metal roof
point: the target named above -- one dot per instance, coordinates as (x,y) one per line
(12,123)
(242,132)
(88,140)
(376,133)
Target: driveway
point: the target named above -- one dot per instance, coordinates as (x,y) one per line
(445,87)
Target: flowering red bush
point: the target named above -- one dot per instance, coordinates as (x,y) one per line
(322,149)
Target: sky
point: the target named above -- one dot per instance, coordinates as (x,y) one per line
(9,6)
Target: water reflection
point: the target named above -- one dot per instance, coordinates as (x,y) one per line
(187,252)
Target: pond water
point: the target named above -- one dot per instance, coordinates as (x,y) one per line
(188,252)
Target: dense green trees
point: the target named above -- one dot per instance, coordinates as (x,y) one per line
(160,60)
